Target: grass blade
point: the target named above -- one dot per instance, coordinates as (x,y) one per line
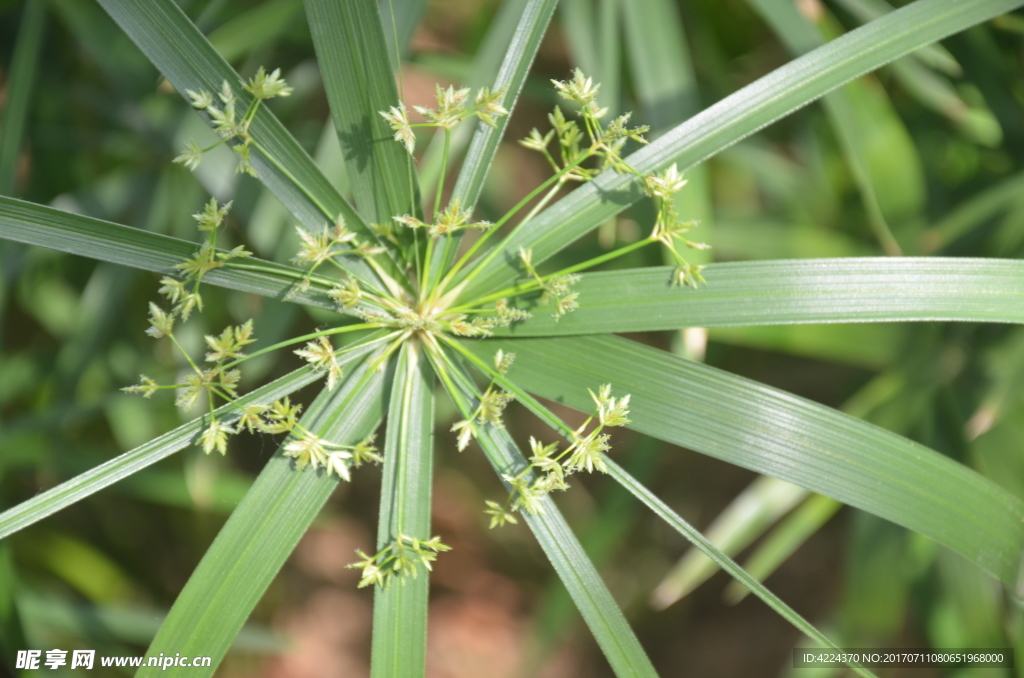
(878,289)
(352,54)
(18,95)
(106,241)
(778,434)
(581,579)
(400,610)
(746,518)
(784,90)
(189,62)
(263,530)
(482,148)
(784,540)
(518,60)
(722,560)
(104,475)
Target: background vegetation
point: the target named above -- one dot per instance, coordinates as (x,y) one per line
(924,157)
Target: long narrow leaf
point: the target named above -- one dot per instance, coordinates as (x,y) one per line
(796,291)
(512,75)
(261,533)
(400,610)
(352,54)
(778,434)
(514,69)
(722,560)
(784,90)
(581,579)
(105,241)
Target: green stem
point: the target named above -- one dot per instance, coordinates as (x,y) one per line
(444,170)
(522,396)
(508,215)
(189,359)
(531,285)
(306,337)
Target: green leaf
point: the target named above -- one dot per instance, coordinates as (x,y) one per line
(189,62)
(722,560)
(483,71)
(784,90)
(20,82)
(400,610)
(104,475)
(778,434)
(789,535)
(844,290)
(746,518)
(261,533)
(518,59)
(514,69)
(935,56)
(106,241)
(357,75)
(258,26)
(581,579)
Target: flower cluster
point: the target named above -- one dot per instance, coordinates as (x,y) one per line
(490,407)
(408,299)
(403,556)
(452,108)
(668,228)
(557,288)
(309,449)
(223,112)
(549,467)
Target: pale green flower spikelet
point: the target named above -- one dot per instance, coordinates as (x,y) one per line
(451,103)
(488,105)
(308,449)
(215,437)
(281,416)
(398,118)
(500,516)
(320,354)
(583,91)
(229,344)
(146,387)
(161,323)
(450,111)
(346,294)
(402,557)
(263,86)
(191,155)
(557,289)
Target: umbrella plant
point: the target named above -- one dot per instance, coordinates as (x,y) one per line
(419,305)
